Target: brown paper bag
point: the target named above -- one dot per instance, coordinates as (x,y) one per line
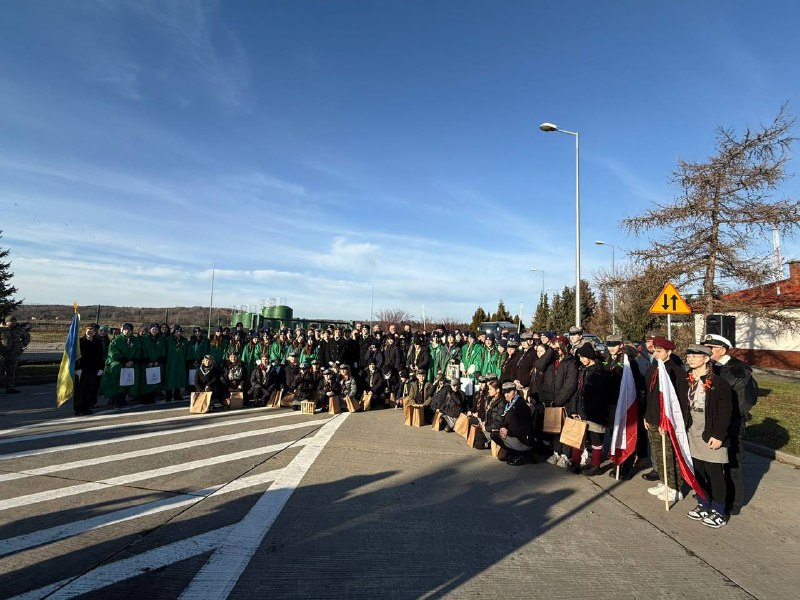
(352,405)
(407,415)
(200,402)
(287,400)
(334,405)
(437,422)
(406,401)
(417,415)
(499,452)
(553,419)
(275,399)
(366,401)
(476,438)
(236,400)
(307,407)
(462,425)
(573,432)
(389,401)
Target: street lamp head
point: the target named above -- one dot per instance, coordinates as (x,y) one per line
(548,127)
(599,243)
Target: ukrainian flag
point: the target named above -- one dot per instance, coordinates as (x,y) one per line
(72,351)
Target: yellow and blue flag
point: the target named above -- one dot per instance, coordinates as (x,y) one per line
(72,351)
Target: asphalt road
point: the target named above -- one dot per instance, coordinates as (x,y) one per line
(270,503)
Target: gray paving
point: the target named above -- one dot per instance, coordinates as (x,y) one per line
(383,511)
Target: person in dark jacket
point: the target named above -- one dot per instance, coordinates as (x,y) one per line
(304,386)
(670,482)
(560,389)
(88,370)
(592,407)
(516,430)
(418,358)
(260,381)
(327,388)
(450,402)
(710,408)
(392,356)
(375,384)
(208,378)
(234,376)
(745,395)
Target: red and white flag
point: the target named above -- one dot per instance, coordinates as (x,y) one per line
(623,440)
(672,423)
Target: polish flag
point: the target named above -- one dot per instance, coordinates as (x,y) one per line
(672,423)
(623,440)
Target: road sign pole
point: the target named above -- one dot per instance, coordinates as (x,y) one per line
(669,326)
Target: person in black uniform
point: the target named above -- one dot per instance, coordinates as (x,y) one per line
(516,430)
(88,370)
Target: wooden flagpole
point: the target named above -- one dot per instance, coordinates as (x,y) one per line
(617,472)
(664,456)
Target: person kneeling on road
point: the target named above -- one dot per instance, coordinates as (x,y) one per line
(451,402)
(516,432)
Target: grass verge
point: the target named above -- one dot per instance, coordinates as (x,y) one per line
(776,418)
(36,374)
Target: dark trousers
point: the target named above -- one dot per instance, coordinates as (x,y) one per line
(672,478)
(734,472)
(87,387)
(711,478)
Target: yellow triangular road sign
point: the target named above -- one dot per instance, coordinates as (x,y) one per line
(670,302)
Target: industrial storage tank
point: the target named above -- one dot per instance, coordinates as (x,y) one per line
(255,321)
(268,312)
(282,313)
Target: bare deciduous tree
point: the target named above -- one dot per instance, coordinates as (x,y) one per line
(707,232)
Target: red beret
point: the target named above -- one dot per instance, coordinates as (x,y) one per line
(662,342)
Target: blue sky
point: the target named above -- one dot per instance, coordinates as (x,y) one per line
(313,150)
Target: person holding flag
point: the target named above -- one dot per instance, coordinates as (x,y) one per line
(66,372)
(711,408)
(663,378)
(626,415)
(88,370)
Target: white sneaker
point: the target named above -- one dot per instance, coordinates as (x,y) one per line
(656,490)
(553,459)
(584,457)
(562,462)
(673,494)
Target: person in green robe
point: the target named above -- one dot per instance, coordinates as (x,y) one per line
(309,353)
(439,356)
(471,357)
(251,352)
(491,357)
(177,356)
(123,351)
(279,349)
(153,355)
(218,347)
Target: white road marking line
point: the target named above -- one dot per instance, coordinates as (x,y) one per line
(60,532)
(102,460)
(219,575)
(122,480)
(96,417)
(142,436)
(267,507)
(65,432)
(130,567)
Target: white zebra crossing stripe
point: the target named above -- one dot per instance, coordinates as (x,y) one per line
(123,480)
(87,430)
(132,412)
(219,575)
(129,567)
(89,462)
(60,532)
(141,436)
(267,508)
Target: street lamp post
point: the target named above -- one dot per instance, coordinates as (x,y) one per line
(549,127)
(542,272)
(613,287)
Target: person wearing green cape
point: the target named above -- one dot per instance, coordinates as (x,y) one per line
(439,356)
(153,355)
(251,352)
(124,351)
(471,357)
(491,357)
(279,349)
(177,356)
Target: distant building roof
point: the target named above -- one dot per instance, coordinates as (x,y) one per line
(780,294)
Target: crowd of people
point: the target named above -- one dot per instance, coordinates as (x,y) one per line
(503,382)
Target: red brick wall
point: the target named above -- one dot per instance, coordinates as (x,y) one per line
(769,359)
